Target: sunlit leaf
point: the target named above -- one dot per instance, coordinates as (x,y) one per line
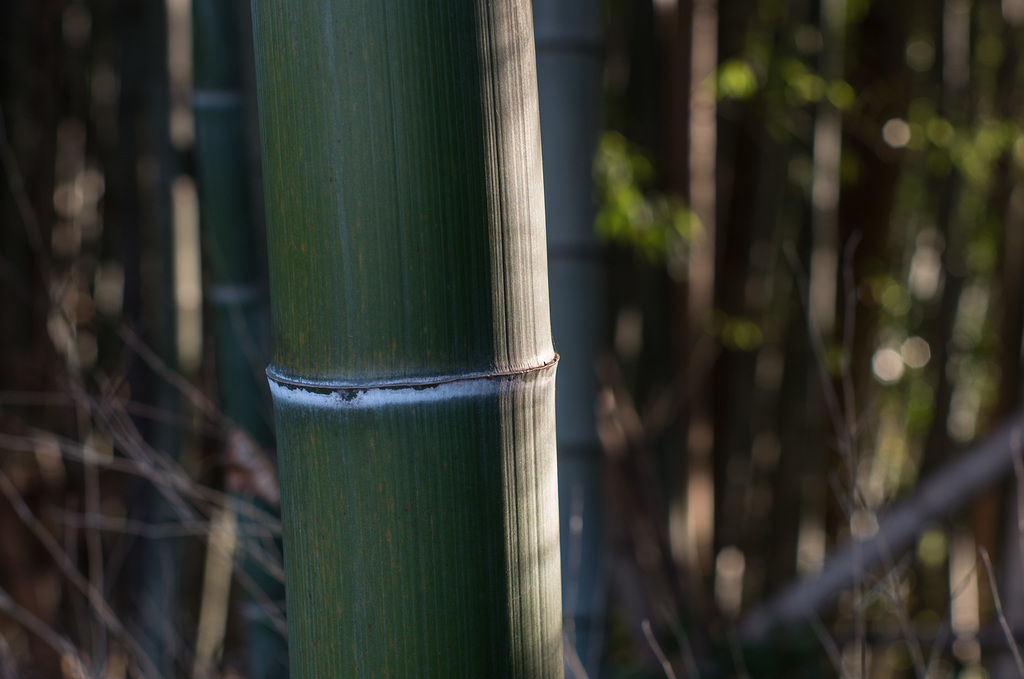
(841,94)
(736,80)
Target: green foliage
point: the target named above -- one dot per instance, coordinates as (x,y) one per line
(632,213)
(737,333)
(803,86)
(857,10)
(736,80)
(972,149)
(920,406)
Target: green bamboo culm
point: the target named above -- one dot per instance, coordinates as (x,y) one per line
(413,372)
(235,263)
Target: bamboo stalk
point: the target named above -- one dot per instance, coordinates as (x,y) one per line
(413,372)
(235,264)
(569,64)
(231,239)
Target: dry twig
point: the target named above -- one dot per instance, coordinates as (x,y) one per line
(1010,641)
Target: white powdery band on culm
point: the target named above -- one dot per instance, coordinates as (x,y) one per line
(375,396)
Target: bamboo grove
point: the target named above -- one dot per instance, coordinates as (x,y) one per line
(776,245)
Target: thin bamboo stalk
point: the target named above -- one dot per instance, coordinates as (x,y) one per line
(413,372)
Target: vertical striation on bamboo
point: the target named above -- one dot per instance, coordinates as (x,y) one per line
(413,371)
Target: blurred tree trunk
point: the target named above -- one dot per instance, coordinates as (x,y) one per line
(703,266)
(413,373)
(954,70)
(235,262)
(30,59)
(146,168)
(1009,195)
(28,112)
(568,37)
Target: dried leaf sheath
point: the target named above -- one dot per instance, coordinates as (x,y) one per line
(413,372)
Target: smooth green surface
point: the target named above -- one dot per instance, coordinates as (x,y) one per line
(230,235)
(403,183)
(423,537)
(233,260)
(217,58)
(406,235)
(159,562)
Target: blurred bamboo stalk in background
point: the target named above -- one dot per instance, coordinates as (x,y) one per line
(148,233)
(569,68)
(235,262)
(702,191)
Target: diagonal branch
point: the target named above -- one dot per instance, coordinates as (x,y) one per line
(944,491)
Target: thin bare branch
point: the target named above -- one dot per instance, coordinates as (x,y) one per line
(827,642)
(143,529)
(27,619)
(196,397)
(683,639)
(8,666)
(739,663)
(572,659)
(262,602)
(849,323)
(944,491)
(818,348)
(144,468)
(666,666)
(907,627)
(1010,641)
(1018,472)
(75,577)
(946,628)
